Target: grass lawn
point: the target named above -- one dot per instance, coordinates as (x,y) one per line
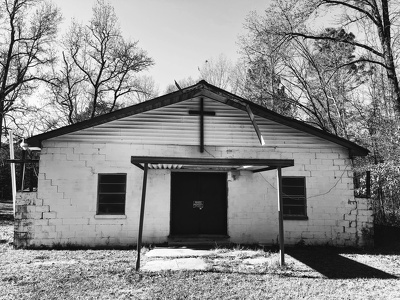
(311,273)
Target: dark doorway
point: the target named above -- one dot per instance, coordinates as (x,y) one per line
(198,203)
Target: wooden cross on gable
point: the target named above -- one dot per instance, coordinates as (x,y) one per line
(201,112)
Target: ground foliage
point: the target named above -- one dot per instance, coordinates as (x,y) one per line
(110,274)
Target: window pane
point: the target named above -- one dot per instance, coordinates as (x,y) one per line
(111,194)
(294,210)
(293,200)
(112,209)
(111,198)
(294,196)
(294,190)
(112,188)
(112,178)
(293,181)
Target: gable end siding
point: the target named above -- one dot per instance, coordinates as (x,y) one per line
(172,125)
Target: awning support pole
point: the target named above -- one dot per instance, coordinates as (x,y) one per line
(23,170)
(139,240)
(280,211)
(13,179)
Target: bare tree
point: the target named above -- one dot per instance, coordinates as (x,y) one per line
(99,60)
(217,71)
(148,89)
(301,78)
(374,19)
(224,73)
(265,56)
(28,29)
(66,90)
(182,83)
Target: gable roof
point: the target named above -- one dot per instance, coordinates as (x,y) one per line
(205,89)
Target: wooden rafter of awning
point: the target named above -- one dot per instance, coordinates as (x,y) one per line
(252,164)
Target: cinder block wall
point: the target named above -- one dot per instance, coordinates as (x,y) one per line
(64,209)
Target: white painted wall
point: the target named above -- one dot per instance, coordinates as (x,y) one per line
(64,211)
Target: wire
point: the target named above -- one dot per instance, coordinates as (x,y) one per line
(291,196)
(318,195)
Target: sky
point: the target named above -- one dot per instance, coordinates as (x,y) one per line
(180,35)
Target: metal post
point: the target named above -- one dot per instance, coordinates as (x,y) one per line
(23,170)
(139,241)
(201,125)
(280,211)
(368,183)
(12,165)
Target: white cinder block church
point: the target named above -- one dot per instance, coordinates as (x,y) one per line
(196,164)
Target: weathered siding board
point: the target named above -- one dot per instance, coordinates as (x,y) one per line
(173,125)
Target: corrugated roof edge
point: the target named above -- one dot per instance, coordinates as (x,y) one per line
(188,93)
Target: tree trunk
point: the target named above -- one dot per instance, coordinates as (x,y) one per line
(394,82)
(384,32)
(1,125)
(2,113)
(92,115)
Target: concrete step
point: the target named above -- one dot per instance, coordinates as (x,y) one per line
(199,240)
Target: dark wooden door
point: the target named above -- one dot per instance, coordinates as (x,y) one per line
(198,203)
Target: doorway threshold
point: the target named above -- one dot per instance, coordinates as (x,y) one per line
(198,240)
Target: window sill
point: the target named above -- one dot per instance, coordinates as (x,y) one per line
(295,218)
(110,217)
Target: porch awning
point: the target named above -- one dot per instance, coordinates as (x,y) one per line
(235,164)
(252,164)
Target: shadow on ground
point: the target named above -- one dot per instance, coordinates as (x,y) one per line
(331,264)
